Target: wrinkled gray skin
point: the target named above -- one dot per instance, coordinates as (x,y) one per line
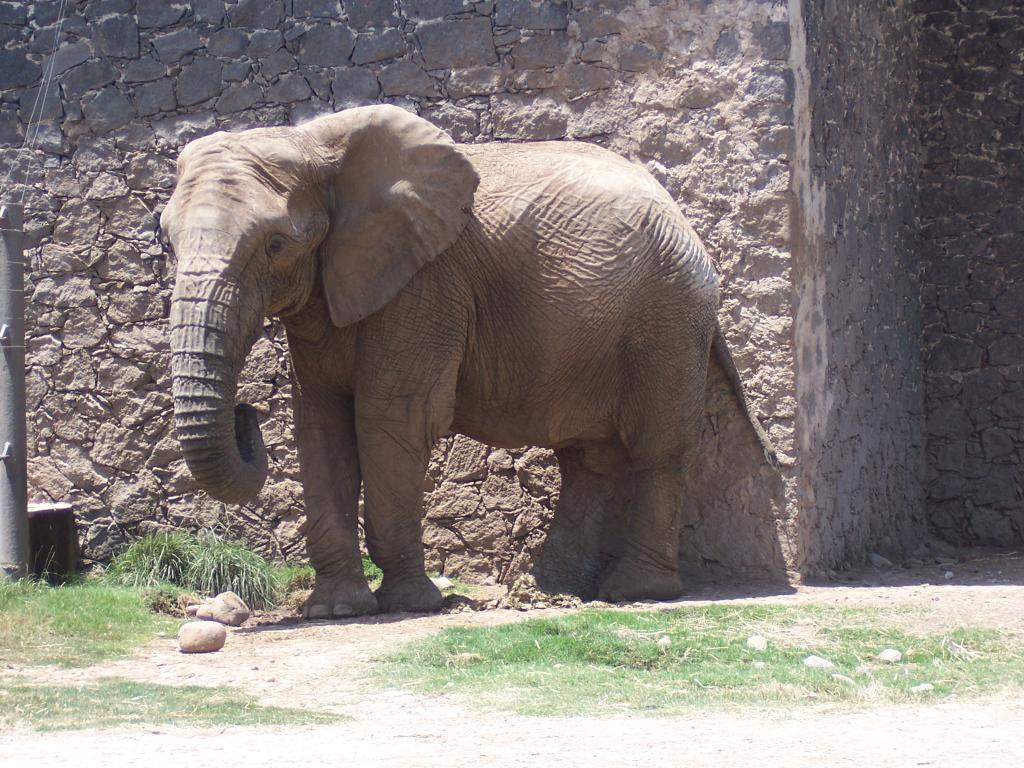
(547,294)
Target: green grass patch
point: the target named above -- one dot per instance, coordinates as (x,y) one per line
(207,564)
(75,624)
(109,703)
(666,662)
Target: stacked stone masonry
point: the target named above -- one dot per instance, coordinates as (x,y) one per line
(759,116)
(858,316)
(698,92)
(972,247)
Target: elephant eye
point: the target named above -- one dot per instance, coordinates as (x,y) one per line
(276,244)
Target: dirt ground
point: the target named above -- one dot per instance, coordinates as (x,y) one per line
(323,664)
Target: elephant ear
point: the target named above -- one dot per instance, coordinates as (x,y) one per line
(402,193)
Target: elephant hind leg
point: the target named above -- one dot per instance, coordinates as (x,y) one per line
(574,551)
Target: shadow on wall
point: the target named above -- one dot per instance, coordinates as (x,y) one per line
(733,499)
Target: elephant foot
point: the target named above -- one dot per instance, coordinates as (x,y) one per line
(415,594)
(339,597)
(630,580)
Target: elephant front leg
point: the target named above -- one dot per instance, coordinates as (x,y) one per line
(329,464)
(393,453)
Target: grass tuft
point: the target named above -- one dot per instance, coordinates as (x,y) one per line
(207,564)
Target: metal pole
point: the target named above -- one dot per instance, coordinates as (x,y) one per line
(13,467)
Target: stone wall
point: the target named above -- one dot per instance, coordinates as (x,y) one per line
(972,187)
(699,92)
(858,372)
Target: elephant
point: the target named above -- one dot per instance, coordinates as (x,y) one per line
(547,293)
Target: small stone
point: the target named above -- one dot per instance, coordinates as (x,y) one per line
(816,662)
(201,637)
(862,669)
(442,582)
(890,656)
(948,575)
(843,679)
(879,561)
(226,608)
(757,643)
(922,688)
(664,642)
(759,665)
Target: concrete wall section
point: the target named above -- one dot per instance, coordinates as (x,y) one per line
(859,380)
(972,241)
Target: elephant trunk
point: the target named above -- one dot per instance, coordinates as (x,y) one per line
(210,339)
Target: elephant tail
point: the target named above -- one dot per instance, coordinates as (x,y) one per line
(724,357)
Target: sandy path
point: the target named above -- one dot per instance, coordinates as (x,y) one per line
(322,665)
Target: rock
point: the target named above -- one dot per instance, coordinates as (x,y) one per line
(922,688)
(664,642)
(461,43)
(117,36)
(816,662)
(759,665)
(948,575)
(326,46)
(354,87)
(201,637)
(371,47)
(226,608)
(890,656)
(442,582)
(403,78)
(844,679)
(199,81)
(878,561)
(757,643)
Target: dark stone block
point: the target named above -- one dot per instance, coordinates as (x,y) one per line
(276,63)
(110,109)
(87,77)
(68,56)
(199,81)
(174,45)
(143,70)
(228,43)
(238,97)
(326,46)
(236,71)
(263,43)
(318,9)
(1008,350)
(116,36)
(256,14)
(594,23)
(14,13)
(459,43)
(155,97)
(371,46)
(363,14)
(158,13)
(51,107)
(289,88)
(210,11)
(433,9)
(551,14)
(403,78)
(541,51)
